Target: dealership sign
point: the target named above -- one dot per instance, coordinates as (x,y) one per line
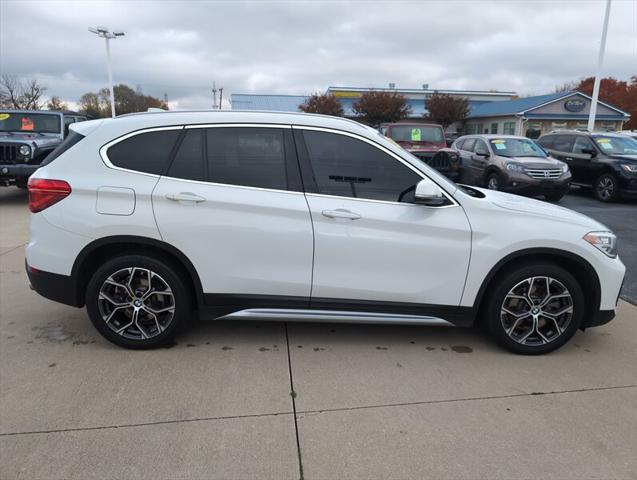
(574,105)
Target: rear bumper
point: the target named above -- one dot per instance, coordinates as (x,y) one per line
(59,288)
(601,317)
(9,173)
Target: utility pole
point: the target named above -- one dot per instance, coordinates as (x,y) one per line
(600,62)
(220,98)
(214,96)
(166,98)
(108,36)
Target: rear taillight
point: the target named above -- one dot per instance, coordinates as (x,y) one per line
(44,192)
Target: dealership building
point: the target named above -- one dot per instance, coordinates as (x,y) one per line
(347,96)
(490,111)
(534,116)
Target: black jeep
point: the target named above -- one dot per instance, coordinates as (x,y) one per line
(26,138)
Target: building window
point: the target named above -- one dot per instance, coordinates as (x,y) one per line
(608,126)
(558,125)
(494,128)
(471,129)
(533,130)
(509,128)
(582,125)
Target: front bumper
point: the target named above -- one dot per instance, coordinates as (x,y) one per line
(9,173)
(523,184)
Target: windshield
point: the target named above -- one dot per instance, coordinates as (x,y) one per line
(516,147)
(617,145)
(30,122)
(417,133)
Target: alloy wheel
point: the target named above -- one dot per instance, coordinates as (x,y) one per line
(605,188)
(493,183)
(136,303)
(536,311)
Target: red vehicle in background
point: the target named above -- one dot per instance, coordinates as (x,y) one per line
(427,142)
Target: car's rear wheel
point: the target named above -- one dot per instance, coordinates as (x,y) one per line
(606,187)
(535,308)
(493,181)
(136,301)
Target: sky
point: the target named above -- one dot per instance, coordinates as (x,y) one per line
(179,48)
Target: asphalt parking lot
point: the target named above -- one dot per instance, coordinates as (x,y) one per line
(239,400)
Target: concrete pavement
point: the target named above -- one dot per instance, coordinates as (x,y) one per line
(369,401)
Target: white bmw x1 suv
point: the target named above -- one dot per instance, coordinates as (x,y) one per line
(153,219)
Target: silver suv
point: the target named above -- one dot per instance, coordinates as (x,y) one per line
(512,164)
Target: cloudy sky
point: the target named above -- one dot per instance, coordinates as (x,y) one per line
(180,47)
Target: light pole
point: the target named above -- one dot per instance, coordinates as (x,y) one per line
(107,35)
(600,62)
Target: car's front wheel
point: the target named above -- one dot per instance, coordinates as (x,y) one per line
(136,301)
(535,308)
(606,187)
(493,181)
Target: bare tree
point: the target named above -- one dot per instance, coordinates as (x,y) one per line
(55,103)
(21,95)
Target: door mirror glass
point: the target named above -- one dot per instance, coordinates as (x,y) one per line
(428,193)
(589,151)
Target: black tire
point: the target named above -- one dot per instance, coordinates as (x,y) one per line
(158,331)
(535,343)
(606,188)
(554,197)
(494,181)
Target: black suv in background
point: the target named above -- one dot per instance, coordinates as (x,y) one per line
(26,138)
(607,162)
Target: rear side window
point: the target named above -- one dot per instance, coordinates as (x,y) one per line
(188,162)
(146,152)
(546,142)
(563,143)
(348,167)
(459,144)
(252,157)
(71,139)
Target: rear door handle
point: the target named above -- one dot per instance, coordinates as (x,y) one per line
(185,197)
(341,213)
(569,158)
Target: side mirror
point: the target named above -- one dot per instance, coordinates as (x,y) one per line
(485,155)
(590,151)
(428,193)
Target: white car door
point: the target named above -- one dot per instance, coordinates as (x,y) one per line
(232,202)
(373,245)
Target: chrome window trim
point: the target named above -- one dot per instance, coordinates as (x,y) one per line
(391,154)
(234,125)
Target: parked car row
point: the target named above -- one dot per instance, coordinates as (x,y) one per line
(605,162)
(26,138)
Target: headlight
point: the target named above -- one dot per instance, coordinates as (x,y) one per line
(603,241)
(565,168)
(25,150)
(632,168)
(515,167)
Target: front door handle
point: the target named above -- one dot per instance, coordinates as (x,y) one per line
(185,197)
(341,213)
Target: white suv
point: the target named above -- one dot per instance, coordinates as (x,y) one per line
(153,219)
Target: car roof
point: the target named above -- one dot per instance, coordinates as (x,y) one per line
(31,111)
(582,132)
(421,124)
(138,121)
(490,136)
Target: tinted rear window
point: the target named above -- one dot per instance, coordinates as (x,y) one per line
(147,152)
(563,143)
(188,162)
(546,142)
(71,139)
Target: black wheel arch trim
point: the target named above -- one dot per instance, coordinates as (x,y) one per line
(549,252)
(134,240)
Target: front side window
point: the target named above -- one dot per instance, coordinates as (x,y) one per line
(252,157)
(147,152)
(581,144)
(347,167)
(481,148)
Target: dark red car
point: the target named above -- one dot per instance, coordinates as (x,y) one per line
(427,142)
